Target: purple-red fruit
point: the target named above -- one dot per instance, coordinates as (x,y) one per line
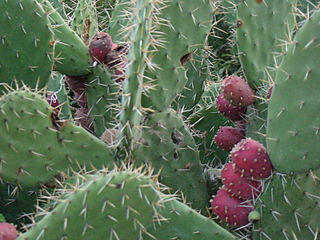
(100,45)
(230,209)
(228,110)
(252,159)
(227,137)
(237,185)
(8,231)
(237,91)
(117,55)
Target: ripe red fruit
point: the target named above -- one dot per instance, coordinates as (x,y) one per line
(237,185)
(228,110)
(230,209)
(8,231)
(252,159)
(227,137)
(237,91)
(100,45)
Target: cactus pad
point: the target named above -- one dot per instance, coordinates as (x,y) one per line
(26,48)
(263,27)
(293,115)
(167,146)
(289,208)
(35,146)
(115,206)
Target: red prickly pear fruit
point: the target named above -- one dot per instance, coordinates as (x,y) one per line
(252,159)
(100,45)
(237,91)
(230,209)
(118,56)
(52,99)
(228,110)
(8,231)
(237,185)
(227,137)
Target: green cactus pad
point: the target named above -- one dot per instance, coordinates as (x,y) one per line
(35,146)
(85,19)
(26,48)
(71,54)
(289,208)
(120,19)
(184,223)
(197,73)
(293,117)
(103,96)
(56,85)
(172,44)
(182,28)
(59,6)
(115,206)
(168,147)
(263,27)
(137,61)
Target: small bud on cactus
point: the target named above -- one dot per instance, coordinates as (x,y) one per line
(237,185)
(252,159)
(230,209)
(8,231)
(237,91)
(100,45)
(228,110)
(227,137)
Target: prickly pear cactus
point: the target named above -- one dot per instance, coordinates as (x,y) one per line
(71,55)
(102,95)
(263,28)
(169,148)
(177,41)
(289,208)
(36,146)
(293,122)
(116,205)
(176,226)
(58,95)
(85,19)
(26,48)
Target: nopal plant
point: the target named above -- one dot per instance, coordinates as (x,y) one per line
(156,119)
